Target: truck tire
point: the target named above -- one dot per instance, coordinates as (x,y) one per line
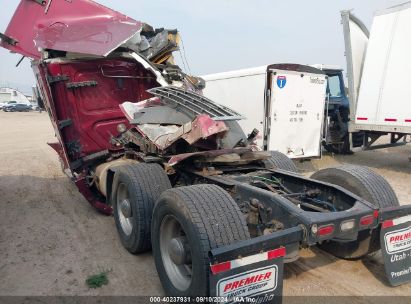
(136,187)
(368,185)
(280,161)
(187,223)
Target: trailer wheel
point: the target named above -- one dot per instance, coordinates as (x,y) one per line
(135,189)
(187,223)
(368,185)
(280,161)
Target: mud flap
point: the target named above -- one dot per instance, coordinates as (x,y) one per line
(254,279)
(395,241)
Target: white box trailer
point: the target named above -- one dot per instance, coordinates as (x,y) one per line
(12,95)
(378,65)
(285,102)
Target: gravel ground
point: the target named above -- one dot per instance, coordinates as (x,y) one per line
(51,239)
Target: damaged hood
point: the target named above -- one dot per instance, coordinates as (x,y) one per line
(78,26)
(177,113)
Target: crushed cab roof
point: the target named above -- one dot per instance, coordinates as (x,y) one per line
(80,26)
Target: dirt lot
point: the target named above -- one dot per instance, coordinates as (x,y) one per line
(51,239)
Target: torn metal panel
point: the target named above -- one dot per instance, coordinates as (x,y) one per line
(130,108)
(157,45)
(158,119)
(94,37)
(79,26)
(160,115)
(203,127)
(161,45)
(160,78)
(163,136)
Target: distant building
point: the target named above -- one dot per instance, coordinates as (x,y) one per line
(9,94)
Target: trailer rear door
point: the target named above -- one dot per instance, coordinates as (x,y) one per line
(297,110)
(242,91)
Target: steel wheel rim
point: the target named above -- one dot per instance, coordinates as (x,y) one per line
(123,198)
(180,275)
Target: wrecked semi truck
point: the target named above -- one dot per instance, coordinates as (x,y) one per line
(174,168)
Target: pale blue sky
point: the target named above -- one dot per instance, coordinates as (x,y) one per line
(223,35)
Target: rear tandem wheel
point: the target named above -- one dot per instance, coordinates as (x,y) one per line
(187,223)
(368,185)
(136,187)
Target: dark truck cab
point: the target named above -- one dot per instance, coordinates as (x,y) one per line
(336,137)
(141,142)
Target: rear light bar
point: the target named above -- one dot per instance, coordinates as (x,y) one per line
(326,230)
(390,119)
(264,256)
(367,220)
(362,118)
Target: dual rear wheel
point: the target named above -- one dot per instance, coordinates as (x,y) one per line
(181,225)
(188,222)
(135,190)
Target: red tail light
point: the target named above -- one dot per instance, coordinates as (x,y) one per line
(217,268)
(367,220)
(388,224)
(376,213)
(325,230)
(276,253)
